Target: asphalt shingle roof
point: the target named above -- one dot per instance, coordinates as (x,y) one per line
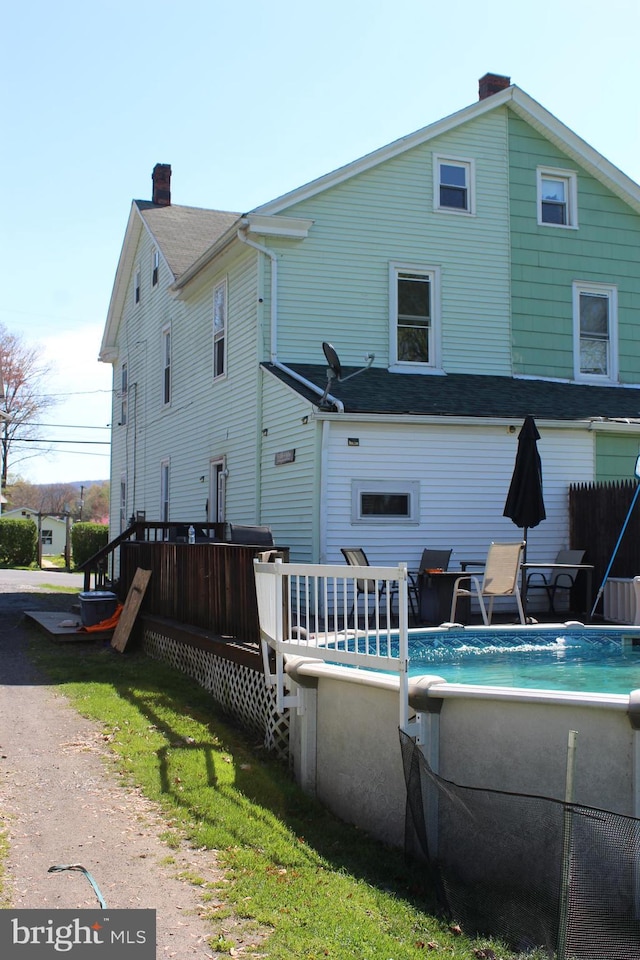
(184,233)
(467,395)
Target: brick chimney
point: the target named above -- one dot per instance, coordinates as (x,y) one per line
(492,83)
(161,178)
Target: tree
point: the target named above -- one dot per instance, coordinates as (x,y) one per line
(22,373)
(96,502)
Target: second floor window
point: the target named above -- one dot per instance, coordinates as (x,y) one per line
(595,331)
(414,331)
(454,185)
(166,366)
(557,197)
(124,388)
(219,328)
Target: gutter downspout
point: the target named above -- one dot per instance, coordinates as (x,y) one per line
(243,238)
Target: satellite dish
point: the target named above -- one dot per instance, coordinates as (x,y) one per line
(334,371)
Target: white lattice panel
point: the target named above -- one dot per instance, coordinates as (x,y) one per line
(238,690)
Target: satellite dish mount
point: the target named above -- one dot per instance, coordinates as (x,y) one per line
(334,370)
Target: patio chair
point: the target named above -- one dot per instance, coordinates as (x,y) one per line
(260,536)
(555,580)
(356,557)
(430,560)
(500,579)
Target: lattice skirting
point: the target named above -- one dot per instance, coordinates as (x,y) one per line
(239,691)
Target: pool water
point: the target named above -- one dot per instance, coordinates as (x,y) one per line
(594,661)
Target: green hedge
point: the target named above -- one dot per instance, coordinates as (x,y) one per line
(18,543)
(87,539)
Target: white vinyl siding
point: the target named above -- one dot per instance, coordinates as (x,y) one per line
(459,508)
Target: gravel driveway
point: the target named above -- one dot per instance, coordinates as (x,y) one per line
(61,803)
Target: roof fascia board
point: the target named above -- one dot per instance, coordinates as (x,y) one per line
(291,227)
(599,426)
(123,272)
(383,154)
(577,148)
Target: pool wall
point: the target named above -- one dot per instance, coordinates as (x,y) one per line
(345,748)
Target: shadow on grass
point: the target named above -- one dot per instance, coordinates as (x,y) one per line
(261,788)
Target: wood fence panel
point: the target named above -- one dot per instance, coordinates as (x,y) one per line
(597,515)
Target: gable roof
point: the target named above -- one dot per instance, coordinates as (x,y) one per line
(512,97)
(465,395)
(182,235)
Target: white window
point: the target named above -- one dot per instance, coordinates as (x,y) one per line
(47,537)
(155,267)
(454,184)
(123,504)
(557,197)
(384,501)
(166,366)
(414,317)
(124,389)
(164,491)
(219,328)
(137,282)
(595,331)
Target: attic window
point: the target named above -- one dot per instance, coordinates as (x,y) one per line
(137,281)
(155,267)
(557,197)
(454,185)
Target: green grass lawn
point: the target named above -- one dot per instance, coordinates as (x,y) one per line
(302,884)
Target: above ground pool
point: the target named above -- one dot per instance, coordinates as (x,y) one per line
(583,659)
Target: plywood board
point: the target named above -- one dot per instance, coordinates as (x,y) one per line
(64,626)
(131,607)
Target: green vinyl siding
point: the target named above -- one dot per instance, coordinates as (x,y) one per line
(546,260)
(334,285)
(616,456)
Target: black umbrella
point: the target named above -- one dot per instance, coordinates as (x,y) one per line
(525,503)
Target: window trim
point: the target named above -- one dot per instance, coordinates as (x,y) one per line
(610,291)
(165,486)
(222,336)
(408,488)
(137,286)
(440,159)
(124,394)
(434,364)
(166,366)
(570,178)
(155,268)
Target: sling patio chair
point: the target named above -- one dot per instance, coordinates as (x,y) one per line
(553,580)
(356,557)
(500,579)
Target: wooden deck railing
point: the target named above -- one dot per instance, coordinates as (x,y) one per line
(208,585)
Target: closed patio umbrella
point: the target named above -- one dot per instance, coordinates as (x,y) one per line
(525,503)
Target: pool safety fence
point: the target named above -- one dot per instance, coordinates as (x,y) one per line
(533,871)
(356,616)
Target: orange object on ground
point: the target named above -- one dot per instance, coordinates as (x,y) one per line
(109,624)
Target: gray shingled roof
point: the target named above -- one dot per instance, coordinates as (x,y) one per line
(467,395)
(184,233)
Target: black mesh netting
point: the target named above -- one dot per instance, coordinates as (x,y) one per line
(531,871)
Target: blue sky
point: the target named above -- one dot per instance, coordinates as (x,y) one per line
(246,101)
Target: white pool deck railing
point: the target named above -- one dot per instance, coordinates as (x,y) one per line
(334,613)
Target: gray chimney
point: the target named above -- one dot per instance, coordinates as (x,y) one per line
(492,83)
(161,178)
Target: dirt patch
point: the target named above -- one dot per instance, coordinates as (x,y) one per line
(62,802)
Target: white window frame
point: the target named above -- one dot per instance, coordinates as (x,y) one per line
(123,503)
(166,365)
(611,293)
(570,180)
(137,286)
(468,165)
(155,267)
(219,329)
(165,482)
(124,394)
(217,489)
(408,488)
(432,274)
